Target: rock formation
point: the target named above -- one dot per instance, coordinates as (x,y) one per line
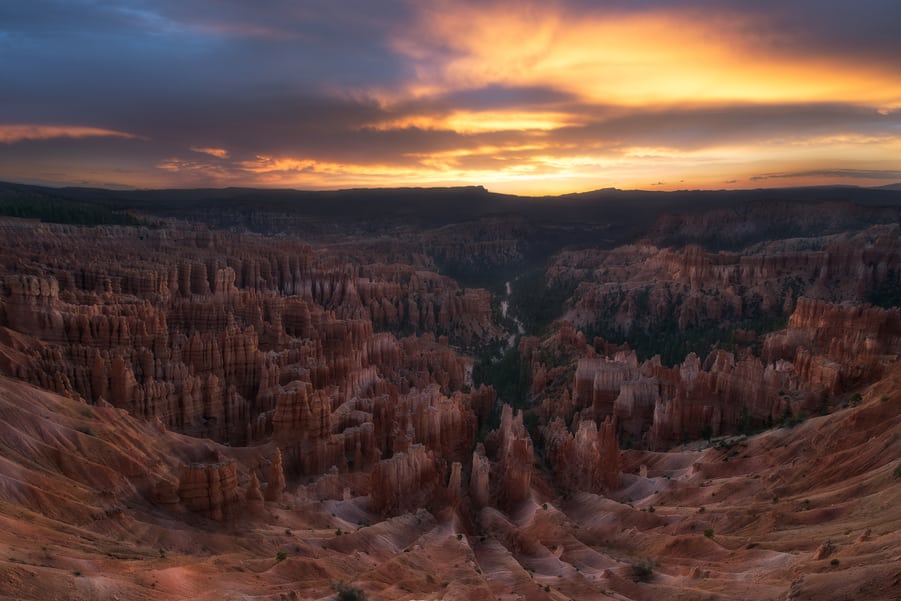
(654,288)
(587,460)
(513,472)
(406,481)
(210,489)
(240,338)
(275,486)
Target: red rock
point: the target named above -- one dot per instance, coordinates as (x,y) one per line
(211,489)
(587,461)
(455,484)
(276,483)
(253,496)
(480,478)
(404,482)
(515,458)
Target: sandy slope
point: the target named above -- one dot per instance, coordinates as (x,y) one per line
(76,523)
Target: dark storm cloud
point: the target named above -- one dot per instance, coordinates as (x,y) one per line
(100,54)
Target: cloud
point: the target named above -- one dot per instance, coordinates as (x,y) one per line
(656,55)
(867,174)
(219,153)
(566,95)
(10,134)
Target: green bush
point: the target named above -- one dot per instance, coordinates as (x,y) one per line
(643,571)
(281,556)
(347,592)
(708,532)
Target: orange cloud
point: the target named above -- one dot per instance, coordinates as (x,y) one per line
(627,59)
(469,122)
(549,167)
(219,153)
(10,134)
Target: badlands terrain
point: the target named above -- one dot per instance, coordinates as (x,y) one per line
(450,394)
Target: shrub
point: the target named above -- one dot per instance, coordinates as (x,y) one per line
(281,556)
(708,532)
(834,562)
(855,399)
(347,592)
(651,509)
(642,571)
(897,472)
(701,510)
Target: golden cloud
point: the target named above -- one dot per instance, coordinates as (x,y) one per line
(470,122)
(219,153)
(10,134)
(627,59)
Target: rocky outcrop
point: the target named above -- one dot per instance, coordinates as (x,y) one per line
(480,478)
(253,497)
(210,489)
(837,346)
(634,408)
(587,460)
(455,485)
(275,486)
(405,482)
(515,456)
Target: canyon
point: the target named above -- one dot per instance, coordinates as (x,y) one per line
(260,399)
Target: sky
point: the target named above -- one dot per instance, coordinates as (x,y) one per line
(522,97)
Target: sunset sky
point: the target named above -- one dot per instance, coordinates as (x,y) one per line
(522,97)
